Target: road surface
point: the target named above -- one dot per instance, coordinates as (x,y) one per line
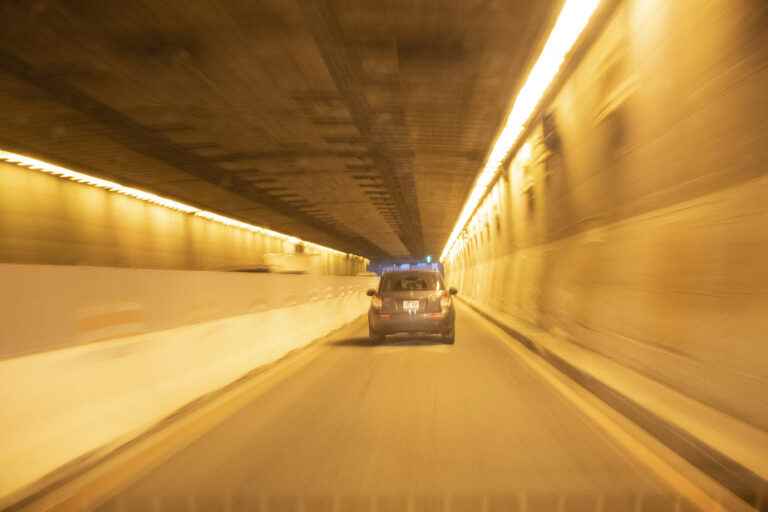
(408,425)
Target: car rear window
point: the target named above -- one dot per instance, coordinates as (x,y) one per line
(411,281)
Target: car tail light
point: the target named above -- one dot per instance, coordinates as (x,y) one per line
(376,302)
(445,300)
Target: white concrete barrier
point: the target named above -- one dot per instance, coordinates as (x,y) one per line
(56,405)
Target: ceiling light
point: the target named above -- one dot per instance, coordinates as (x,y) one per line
(570,24)
(61,172)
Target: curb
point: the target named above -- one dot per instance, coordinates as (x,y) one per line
(740,480)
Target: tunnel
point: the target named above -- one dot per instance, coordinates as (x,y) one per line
(384,255)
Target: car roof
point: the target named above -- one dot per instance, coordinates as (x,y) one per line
(406,272)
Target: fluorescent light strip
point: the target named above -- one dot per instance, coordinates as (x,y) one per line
(61,172)
(38,165)
(570,24)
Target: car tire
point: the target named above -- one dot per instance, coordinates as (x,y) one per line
(449,337)
(374,336)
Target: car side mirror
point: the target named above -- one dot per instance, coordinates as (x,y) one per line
(452,290)
(371,292)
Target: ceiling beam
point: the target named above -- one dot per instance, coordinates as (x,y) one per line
(345,69)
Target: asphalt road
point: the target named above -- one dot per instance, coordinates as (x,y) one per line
(408,425)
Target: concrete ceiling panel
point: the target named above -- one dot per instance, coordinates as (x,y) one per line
(276,111)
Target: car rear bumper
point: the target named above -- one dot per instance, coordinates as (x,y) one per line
(421,322)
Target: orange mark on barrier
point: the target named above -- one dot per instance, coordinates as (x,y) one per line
(110,319)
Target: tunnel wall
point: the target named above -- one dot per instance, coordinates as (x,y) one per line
(48,220)
(637,227)
(93,356)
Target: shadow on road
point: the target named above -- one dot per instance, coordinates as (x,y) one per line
(397,340)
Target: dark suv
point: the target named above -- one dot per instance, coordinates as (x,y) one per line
(411,302)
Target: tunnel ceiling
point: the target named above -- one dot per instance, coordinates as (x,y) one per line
(356,124)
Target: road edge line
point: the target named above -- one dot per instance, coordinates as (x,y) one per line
(609,409)
(75,486)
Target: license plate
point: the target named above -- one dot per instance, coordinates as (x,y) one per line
(411,306)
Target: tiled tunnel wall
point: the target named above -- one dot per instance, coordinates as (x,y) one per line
(636,224)
(48,220)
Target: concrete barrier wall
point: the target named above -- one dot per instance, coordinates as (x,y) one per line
(640,230)
(132,346)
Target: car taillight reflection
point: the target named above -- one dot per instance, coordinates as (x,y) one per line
(376,302)
(445,300)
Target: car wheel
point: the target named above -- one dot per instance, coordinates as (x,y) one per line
(449,337)
(374,336)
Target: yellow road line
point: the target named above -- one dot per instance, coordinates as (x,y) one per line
(108,477)
(661,468)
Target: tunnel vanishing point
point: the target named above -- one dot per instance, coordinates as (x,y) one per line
(193,195)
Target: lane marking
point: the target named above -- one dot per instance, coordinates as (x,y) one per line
(661,468)
(134,458)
